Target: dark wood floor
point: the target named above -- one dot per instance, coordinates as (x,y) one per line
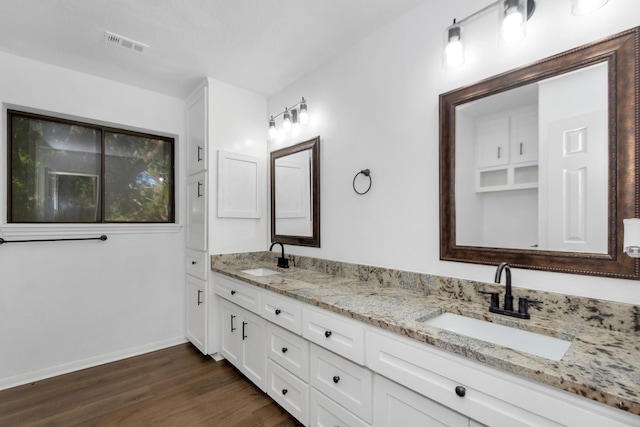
(177,386)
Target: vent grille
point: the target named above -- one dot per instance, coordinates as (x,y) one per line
(124,42)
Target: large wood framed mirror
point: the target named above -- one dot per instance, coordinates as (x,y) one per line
(295,194)
(538,165)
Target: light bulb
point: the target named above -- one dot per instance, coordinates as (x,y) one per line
(303,115)
(453,47)
(513,21)
(286,121)
(273,132)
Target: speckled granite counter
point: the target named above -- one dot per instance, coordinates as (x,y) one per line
(602,364)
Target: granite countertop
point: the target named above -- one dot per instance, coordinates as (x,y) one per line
(601,365)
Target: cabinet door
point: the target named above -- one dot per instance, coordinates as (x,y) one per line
(197,131)
(395,405)
(196,312)
(231,338)
(492,141)
(254,348)
(196,223)
(524,136)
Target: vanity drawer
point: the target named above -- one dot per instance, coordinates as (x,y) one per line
(246,296)
(282,311)
(326,412)
(290,350)
(288,391)
(334,332)
(343,381)
(195,264)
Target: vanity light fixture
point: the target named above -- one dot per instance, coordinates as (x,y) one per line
(582,7)
(291,117)
(631,245)
(514,15)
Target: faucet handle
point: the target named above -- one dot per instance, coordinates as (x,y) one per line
(495,298)
(523,305)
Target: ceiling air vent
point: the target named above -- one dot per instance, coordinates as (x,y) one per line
(116,40)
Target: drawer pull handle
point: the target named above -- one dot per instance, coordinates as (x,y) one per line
(461,391)
(233,292)
(327,334)
(285,349)
(278,311)
(284,391)
(336,379)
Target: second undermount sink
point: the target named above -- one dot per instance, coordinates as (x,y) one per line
(505,336)
(260,272)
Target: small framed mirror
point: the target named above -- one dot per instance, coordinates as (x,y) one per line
(295,194)
(539,167)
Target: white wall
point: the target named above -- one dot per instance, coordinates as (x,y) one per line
(376,106)
(236,124)
(67,305)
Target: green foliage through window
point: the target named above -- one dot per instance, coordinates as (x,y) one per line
(68,172)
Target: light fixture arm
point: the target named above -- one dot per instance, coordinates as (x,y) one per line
(289,109)
(531,7)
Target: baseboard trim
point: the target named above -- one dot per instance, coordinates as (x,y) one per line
(78,365)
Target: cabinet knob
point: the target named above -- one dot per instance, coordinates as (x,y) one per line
(327,334)
(284,391)
(278,311)
(233,292)
(461,391)
(193,263)
(285,349)
(336,379)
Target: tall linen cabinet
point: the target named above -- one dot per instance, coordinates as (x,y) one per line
(219,117)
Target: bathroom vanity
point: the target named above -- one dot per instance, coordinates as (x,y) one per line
(341,344)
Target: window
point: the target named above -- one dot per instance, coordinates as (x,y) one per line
(69,172)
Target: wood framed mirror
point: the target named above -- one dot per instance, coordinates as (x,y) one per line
(539,167)
(295,194)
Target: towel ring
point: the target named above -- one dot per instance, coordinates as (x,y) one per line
(367,173)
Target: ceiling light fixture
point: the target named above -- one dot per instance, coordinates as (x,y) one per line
(291,117)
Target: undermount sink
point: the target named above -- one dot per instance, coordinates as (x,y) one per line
(505,336)
(260,272)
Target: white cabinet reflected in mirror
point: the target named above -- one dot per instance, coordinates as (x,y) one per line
(531,165)
(295,194)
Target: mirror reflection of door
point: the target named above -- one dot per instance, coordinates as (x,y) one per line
(293,194)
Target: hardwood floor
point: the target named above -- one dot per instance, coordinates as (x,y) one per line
(177,386)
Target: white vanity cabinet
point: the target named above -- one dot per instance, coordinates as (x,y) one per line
(243,342)
(342,372)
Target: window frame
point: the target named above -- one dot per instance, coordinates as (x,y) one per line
(10,229)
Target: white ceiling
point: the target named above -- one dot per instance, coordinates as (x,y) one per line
(259,45)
